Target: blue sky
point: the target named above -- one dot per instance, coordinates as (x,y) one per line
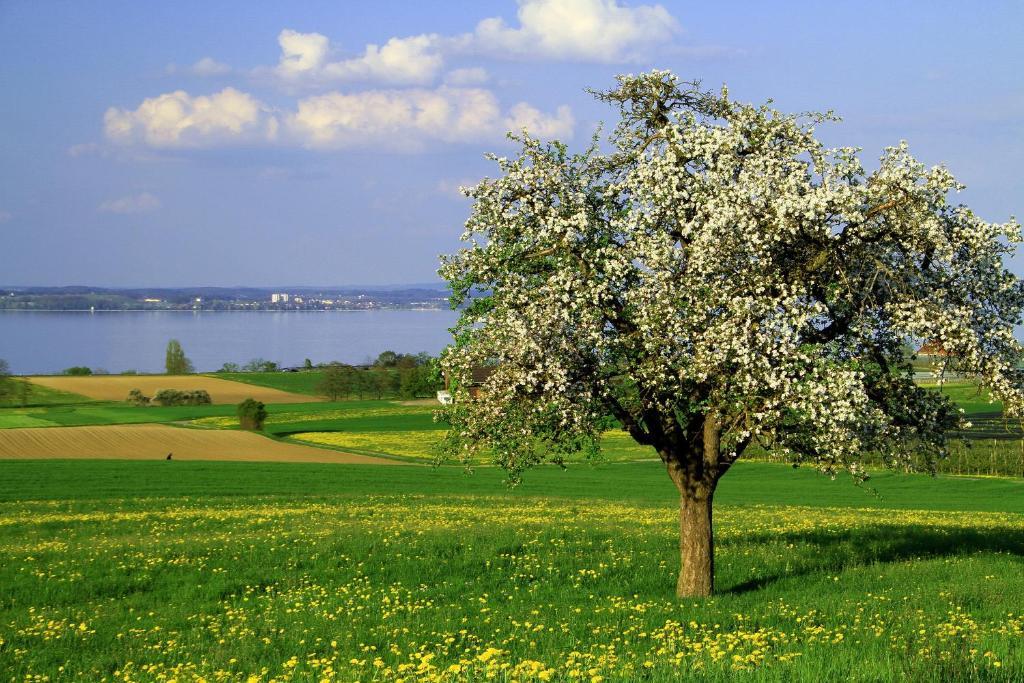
(222,143)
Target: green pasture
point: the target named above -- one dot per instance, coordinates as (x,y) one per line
(189,571)
(109,413)
(296,382)
(39,395)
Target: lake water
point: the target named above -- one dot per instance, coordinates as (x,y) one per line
(40,342)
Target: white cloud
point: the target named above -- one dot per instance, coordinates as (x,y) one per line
(208,66)
(467,76)
(584,30)
(5,216)
(137,203)
(401,119)
(537,123)
(412,60)
(205,67)
(408,119)
(301,53)
(304,59)
(177,119)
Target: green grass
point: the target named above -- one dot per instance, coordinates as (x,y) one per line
(219,571)
(746,484)
(968,396)
(295,382)
(109,413)
(304,572)
(39,395)
(357,416)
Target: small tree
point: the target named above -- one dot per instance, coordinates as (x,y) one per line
(720,279)
(78,371)
(229,367)
(387,359)
(251,414)
(419,380)
(408,382)
(383,382)
(176,363)
(337,381)
(260,365)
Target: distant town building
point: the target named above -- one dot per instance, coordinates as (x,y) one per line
(478,375)
(279,298)
(932,348)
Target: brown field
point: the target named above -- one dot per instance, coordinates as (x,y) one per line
(116,387)
(154,442)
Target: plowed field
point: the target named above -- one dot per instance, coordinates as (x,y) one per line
(116,387)
(154,442)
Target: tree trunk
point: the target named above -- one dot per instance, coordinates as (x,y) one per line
(696,542)
(696,477)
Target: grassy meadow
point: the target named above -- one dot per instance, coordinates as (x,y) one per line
(239,572)
(227,571)
(296,382)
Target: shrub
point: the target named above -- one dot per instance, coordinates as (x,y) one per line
(198,397)
(173,397)
(78,370)
(137,398)
(168,397)
(251,414)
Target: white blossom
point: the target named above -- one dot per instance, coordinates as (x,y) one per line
(720,261)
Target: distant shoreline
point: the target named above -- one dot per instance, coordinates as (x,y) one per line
(211,310)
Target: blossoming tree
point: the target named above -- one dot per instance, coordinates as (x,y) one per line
(715,279)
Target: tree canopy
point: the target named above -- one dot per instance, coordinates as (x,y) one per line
(176,362)
(715,278)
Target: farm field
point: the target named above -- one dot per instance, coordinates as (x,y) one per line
(154,442)
(406,429)
(293,382)
(256,571)
(91,412)
(116,387)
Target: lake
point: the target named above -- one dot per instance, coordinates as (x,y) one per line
(46,342)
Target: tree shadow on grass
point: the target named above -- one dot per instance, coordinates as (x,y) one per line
(882,544)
